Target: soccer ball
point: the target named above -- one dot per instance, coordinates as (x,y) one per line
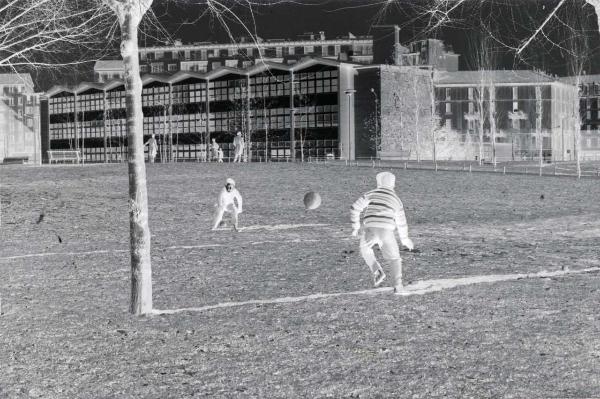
(312,200)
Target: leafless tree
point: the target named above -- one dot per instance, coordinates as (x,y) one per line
(51,33)
(577,51)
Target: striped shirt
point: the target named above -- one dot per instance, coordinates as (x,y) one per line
(383,209)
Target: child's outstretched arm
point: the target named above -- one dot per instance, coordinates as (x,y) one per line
(402,227)
(355,211)
(238,197)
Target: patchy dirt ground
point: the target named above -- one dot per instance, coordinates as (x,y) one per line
(65,331)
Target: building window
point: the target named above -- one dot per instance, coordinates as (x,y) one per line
(157,67)
(172,67)
(309,49)
(448,108)
(144,68)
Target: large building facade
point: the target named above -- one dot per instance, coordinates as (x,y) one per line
(285,110)
(365,97)
(19,119)
(319,107)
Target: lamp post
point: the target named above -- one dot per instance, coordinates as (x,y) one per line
(293,135)
(377,138)
(349,93)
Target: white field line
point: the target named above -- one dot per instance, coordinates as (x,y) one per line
(199,246)
(43,254)
(282,226)
(419,288)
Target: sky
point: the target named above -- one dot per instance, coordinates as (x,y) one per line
(508,22)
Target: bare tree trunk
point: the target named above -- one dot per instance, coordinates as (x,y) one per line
(170,125)
(481,122)
(248,143)
(166,137)
(76,120)
(292,120)
(417,111)
(130,13)
(105,108)
(434,120)
(538,124)
(492,117)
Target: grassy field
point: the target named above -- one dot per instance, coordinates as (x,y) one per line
(65,331)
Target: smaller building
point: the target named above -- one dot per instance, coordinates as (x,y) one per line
(107,70)
(19,119)
(589,113)
(513,111)
(203,57)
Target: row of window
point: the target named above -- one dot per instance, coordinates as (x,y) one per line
(114,128)
(271,51)
(222,122)
(198,96)
(258,151)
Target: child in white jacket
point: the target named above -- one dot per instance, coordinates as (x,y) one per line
(384,214)
(227,203)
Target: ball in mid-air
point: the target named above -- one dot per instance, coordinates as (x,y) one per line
(312,200)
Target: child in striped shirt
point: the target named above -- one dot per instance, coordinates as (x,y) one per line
(384,214)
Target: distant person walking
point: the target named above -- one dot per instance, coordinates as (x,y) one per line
(238,143)
(152,148)
(214,150)
(220,155)
(384,213)
(227,203)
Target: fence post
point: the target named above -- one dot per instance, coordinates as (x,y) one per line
(504,170)
(554,169)
(540,170)
(436,167)
(373,162)
(470,171)
(525,170)
(404,165)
